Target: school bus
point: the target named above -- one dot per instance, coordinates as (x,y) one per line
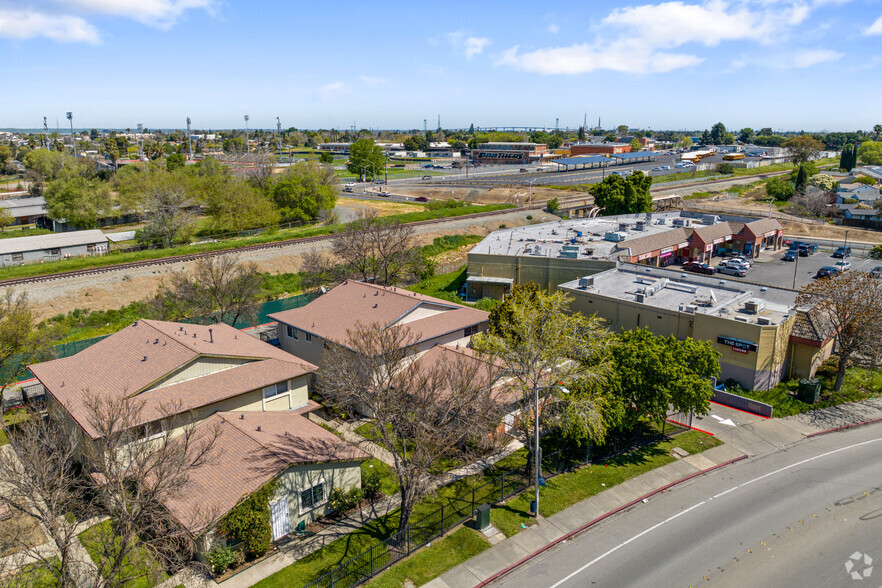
(733,156)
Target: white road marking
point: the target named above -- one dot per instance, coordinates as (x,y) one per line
(693,507)
(723,421)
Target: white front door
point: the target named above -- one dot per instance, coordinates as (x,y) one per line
(279,516)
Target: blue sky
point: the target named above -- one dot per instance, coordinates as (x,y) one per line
(794,64)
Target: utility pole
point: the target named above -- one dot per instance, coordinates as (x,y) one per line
(72,138)
(247,118)
(189,137)
(46,132)
(140,141)
(279,131)
(425,128)
(439,122)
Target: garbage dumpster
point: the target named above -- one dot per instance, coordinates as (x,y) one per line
(482,518)
(810,390)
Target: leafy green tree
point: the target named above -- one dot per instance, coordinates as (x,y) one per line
(618,195)
(685,142)
(6,218)
(870,152)
(877,131)
(175,161)
(79,201)
(366,157)
(5,155)
(609,138)
(93,134)
(725,168)
(306,190)
(552,206)
(845,157)
(412,144)
(233,204)
(326,157)
(823,181)
(718,134)
(622,130)
(635,146)
(766,131)
(653,374)
(581,135)
(780,189)
(746,135)
(235,145)
(802,177)
(803,148)
(706,138)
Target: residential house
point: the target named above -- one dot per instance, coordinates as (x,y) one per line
(216,376)
(862,193)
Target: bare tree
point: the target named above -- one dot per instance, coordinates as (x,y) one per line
(372,249)
(219,289)
(813,202)
(168,206)
(850,305)
(136,470)
(421,411)
(39,485)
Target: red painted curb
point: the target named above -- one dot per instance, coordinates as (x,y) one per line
(501,573)
(739,410)
(845,427)
(689,427)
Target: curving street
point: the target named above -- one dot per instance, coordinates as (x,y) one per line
(789,518)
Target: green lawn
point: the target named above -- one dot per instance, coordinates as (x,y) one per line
(390,482)
(34,576)
(11,232)
(567,489)
(138,562)
(433,561)
(232,244)
(859,384)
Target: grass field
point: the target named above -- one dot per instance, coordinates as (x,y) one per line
(137,563)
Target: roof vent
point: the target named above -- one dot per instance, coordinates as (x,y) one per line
(258,428)
(156,341)
(375,305)
(145,358)
(210,336)
(241,417)
(180,328)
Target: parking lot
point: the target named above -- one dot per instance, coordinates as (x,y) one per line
(771,270)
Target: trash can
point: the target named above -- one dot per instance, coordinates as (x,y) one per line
(810,390)
(482,517)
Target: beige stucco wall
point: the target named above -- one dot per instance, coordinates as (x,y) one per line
(310,351)
(805,359)
(201,366)
(343,475)
(547,272)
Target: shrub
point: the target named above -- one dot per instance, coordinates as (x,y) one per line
(865,180)
(780,189)
(249,522)
(725,168)
(502,226)
(342,501)
(552,206)
(529,217)
(876,252)
(829,368)
(221,558)
(371,482)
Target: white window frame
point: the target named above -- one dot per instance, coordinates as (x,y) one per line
(315,505)
(274,391)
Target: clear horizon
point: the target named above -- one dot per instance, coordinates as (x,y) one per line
(792,65)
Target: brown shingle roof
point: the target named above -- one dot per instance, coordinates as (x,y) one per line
(651,243)
(763,225)
(332,314)
(812,326)
(139,355)
(252,448)
(486,373)
(717,231)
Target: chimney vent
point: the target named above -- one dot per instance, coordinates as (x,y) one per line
(211,335)
(241,417)
(258,428)
(145,358)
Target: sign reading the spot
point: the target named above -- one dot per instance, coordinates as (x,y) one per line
(737,344)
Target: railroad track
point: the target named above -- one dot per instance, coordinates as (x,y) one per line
(194,256)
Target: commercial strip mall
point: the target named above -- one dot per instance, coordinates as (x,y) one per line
(613,267)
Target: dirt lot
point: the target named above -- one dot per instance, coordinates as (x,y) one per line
(116,289)
(481,195)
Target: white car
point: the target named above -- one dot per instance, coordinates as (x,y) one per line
(350,185)
(842,265)
(735,264)
(741,260)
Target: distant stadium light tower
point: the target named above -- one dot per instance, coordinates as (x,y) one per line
(189,137)
(247,118)
(141,141)
(72,138)
(279,131)
(46,132)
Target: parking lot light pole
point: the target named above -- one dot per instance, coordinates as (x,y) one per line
(795,267)
(536,459)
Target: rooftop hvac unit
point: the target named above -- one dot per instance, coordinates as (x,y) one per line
(688,308)
(615,236)
(660,221)
(639,297)
(754,306)
(623,227)
(743,319)
(585,283)
(724,310)
(763,321)
(710,219)
(681,222)
(639,226)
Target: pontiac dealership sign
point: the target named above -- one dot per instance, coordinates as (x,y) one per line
(738,345)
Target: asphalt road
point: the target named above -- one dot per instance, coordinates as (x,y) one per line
(790,518)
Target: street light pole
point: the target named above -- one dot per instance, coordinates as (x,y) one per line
(72,138)
(537,461)
(795,268)
(531,190)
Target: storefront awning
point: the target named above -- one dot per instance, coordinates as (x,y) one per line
(489,280)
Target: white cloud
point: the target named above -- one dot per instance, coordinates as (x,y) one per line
(372,81)
(332,90)
(553,29)
(159,13)
(812,57)
(645,39)
(475,46)
(25,24)
(875,28)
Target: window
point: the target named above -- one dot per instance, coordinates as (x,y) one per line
(312,497)
(275,389)
(17,256)
(54,251)
(291,332)
(308,337)
(471,330)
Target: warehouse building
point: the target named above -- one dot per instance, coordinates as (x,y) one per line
(507,152)
(25,211)
(553,253)
(599,148)
(761,335)
(40,248)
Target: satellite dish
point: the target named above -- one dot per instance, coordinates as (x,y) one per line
(323,289)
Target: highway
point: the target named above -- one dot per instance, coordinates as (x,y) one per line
(790,518)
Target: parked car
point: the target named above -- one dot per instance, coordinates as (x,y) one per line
(384,193)
(428,166)
(421,199)
(381,181)
(876,272)
(806,249)
(731,270)
(661,168)
(699,268)
(350,185)
(826,272)
(790,255)
(842,252)
(523,169)
(427,177)
(842,265)
(735,264)
(739,259)
(348,189)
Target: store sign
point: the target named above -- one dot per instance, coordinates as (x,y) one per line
(738,345)
(709,247)
(666,250)
(494,155)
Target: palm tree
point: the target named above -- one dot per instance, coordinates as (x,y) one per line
(877,129)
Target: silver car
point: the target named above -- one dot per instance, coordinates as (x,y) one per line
(732,270)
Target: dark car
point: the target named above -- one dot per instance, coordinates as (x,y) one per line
(699,268)
(421,199)
(732,270)
(806,249)
(790,255)
(876,272)
(793,245)
(428,166)
(523,169)
(826,272)
(842,252)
